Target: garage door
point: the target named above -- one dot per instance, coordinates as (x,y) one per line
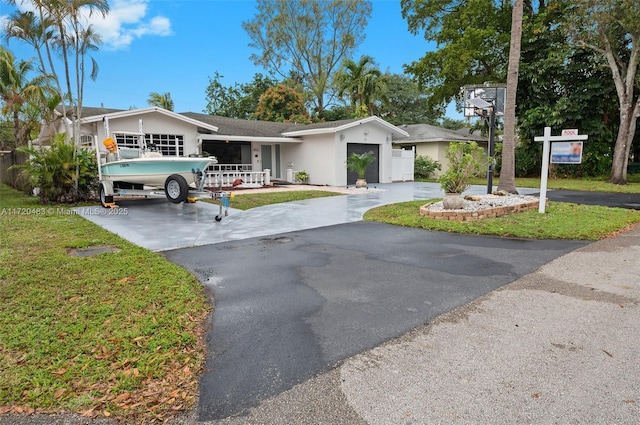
(373,171)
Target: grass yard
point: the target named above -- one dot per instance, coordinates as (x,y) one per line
(561,221)
(252,200)
(587,185)
(116,334)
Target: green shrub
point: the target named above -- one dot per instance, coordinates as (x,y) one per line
(424,166)
(53,171)
(466,160)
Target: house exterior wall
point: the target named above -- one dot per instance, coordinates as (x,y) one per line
(155,123)
(436,151)
(322,155)
(364,134)
(316,156)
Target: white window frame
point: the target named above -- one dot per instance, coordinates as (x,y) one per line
(168,144)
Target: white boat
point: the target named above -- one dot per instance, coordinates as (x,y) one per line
(152,168)
(143,171)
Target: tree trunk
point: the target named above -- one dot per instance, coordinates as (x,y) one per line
(624,80)
(624,140)
(507,172)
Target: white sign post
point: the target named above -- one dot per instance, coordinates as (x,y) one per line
(567,136)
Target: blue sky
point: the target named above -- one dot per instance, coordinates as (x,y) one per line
(175,46)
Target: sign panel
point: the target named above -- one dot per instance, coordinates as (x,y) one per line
(566,152)
(570,132)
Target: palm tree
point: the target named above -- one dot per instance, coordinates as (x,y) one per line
(507,173)
(38,30)
(361,81)
(20,94)
(161,100)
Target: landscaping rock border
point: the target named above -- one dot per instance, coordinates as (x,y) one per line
(481,207)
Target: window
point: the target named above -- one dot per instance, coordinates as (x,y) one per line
(127,141)
(86,140)
(167,144)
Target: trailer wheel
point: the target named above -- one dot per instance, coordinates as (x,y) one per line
(176,188)
(105,200)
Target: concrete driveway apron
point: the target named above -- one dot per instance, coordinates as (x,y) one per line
(159,225)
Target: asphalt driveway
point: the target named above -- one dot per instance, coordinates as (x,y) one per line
(299,287)
(290,306)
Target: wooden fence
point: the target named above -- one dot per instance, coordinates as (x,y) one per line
(11,177)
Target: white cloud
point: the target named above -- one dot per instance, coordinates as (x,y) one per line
(127,21)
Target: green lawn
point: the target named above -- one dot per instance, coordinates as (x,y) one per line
(117,334)
(252,200)
(560,221)
(121,334)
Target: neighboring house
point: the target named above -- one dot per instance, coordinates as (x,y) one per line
(432,141)
(251,146)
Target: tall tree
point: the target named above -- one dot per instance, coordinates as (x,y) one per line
(310,37)
(161,100)
(361,82)
(563,86)
(60,29)
(405,103)
(236,101)
(612,28)
(472,37)
(38,30)
(282,104)
(21,95)
(508,170)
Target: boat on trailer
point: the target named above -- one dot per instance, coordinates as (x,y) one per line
(144,171)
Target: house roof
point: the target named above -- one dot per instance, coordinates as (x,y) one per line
(134,112)
(335,126)
(239,127)
(244,129)
(424,133)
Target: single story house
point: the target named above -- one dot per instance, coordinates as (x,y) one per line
(432,141)
(247,147)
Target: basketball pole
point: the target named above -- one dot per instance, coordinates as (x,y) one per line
(492,130)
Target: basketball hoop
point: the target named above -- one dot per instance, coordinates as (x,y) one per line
(486,94)
(486,101)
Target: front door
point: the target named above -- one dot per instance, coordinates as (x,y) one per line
(271,159)
(265,153)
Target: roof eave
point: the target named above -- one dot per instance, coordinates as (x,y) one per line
(326,130)
(134,112)
(262,139)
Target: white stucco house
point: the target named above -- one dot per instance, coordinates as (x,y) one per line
(250,147)
(433,141)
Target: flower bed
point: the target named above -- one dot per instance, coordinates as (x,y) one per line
(479,207)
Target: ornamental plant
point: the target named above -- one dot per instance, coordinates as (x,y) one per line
(52,171)
(466,160)
(360,162)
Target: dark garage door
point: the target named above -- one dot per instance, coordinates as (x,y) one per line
(373,171)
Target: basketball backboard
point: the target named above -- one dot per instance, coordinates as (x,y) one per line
(483,96)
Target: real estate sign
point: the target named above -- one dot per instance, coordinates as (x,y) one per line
(566,152)
(565,148)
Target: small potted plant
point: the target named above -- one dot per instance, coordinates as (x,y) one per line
(359,164)
(466,160)
(302,177)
